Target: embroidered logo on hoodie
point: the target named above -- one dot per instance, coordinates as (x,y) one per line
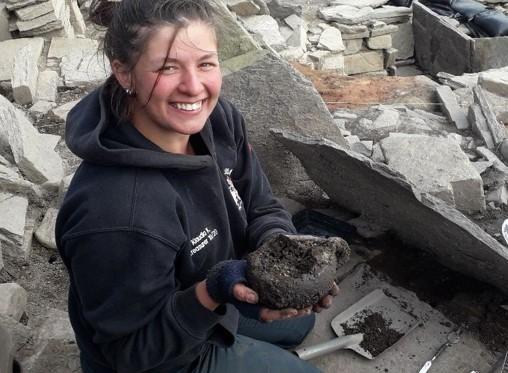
(232,189)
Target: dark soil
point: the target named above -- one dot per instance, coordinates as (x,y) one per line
(377,334)
(464,300)
(295,271)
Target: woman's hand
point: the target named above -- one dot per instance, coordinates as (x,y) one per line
(245,294)
(327,300)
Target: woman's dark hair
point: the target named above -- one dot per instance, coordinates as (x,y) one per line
(129,25)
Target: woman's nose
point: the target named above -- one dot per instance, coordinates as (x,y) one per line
(190,82)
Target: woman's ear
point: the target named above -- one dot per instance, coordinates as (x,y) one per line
(122,74)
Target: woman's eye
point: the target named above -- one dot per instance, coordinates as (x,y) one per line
(207,65)
(168,69)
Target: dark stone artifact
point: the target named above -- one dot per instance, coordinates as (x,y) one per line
(295,271)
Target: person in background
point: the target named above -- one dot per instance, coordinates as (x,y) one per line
(168,200)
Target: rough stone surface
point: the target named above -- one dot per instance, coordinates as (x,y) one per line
(331,39)
(359,3)
(243,8)
(417,218)
(345,14)
(479,125)
(9,50)
(265,93)
(4,24)
(295,271)
(13,210)
(352,46)
(266,27)
(391,14)
(436,166)
(76,17)
(495,81)
(451,107)
(497,130)
(47,86)
(235,40)
(24,76)
(283,8)
(382,30)
(35,10)
(63,110)
(364,62)
(35,160)
(13,300)
(45,234)
(403,39)
(11,181)
(332,62)
(380,42)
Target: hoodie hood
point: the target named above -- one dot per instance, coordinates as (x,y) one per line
(94,134)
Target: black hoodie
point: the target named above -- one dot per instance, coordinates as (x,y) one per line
(140,226)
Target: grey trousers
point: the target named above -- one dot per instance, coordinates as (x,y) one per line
(259,349)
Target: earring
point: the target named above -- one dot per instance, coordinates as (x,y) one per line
(129,92)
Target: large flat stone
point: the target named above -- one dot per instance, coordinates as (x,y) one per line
(13,211)
(331,39)
(24,76)
(38,162)
(359,3)
(495,81)
(437,166)
(364,62)
(265,26)
(345,14)
(372,189)
(403,39)
(4,24)
(266,93)
(451,107)
(9,50)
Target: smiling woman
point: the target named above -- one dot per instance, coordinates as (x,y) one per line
(168,200)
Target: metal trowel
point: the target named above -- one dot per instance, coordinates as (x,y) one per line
(374,302)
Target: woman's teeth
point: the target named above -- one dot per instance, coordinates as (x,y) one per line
(188,107)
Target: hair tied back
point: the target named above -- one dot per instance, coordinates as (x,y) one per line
(102,11)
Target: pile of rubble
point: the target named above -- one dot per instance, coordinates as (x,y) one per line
(348,37)
(44,18)
(444,155)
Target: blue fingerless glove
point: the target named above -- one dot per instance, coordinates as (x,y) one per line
(222,277)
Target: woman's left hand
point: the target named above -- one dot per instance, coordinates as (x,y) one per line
(327,300)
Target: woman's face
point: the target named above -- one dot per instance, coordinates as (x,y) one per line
(188,87)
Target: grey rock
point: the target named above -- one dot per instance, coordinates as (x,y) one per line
(332,61)
(331,39)
(283,8)
(24,76)
(13,211)
(352,46)
(35,10)
(367,229)
(495,81)
(497,130)
(482,166)
(45,234)
(345,14)
(417,218)
(13,299)
(451,108)
(34,159)
(4,23)
(63,110)
(9,50)
(380,42)
(47,86)
(391,14)
(341,114)
(243,8)
(479,125)
(359,3)
(265,26)
(403,39)
(503,149)
(377,154)
(265,93)
(262,6)
(499,196)
(76,17)
(490,156)
(364,62)
(436,166)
